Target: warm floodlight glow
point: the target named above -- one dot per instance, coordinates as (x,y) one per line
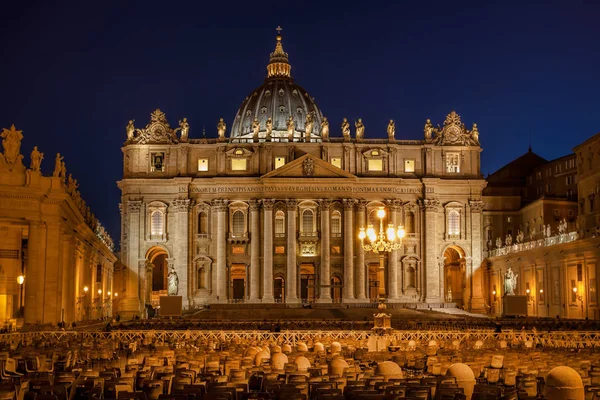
(381,213)
(20,279)
(116,294)
(85,289)
(99,291)
(574,290)
(362,235)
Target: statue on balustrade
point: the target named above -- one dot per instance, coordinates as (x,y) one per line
(548,231)
(173,279)
(520,237)
(325,129)
(532,234)
(508,240)
(291,127)
(308,126)
(130,129)
(391,130)
(269,126)
(255,128)
(510,282)
(346,130)
(36,159)
(360,129)
(221,127)
(185,128)
(498,242)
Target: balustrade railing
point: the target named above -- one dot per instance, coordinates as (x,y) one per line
(532,244)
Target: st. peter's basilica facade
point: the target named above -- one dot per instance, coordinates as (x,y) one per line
(269,211)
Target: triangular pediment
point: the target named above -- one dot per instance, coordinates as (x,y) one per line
(308,166)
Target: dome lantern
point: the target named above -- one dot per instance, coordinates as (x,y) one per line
(279,66)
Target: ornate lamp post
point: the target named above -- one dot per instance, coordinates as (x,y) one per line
(385,241)
(20,281)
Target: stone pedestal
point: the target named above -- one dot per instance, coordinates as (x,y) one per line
(514,306)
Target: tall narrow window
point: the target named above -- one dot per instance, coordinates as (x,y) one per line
(202,223)
(336,223)
(307,221)
(279,223)
(201,278)
(157,223)
(453,223)
(452,162)
(410,222)
(238,223)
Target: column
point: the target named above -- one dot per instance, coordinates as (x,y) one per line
(267,296)
(349,238)
(34,275)
(325,272)
(395,205)
(291,287)
(52,276)
(431,283)
(132,302)
(359,265)
(474,273)
(220,206)
(180,248)
(254,251)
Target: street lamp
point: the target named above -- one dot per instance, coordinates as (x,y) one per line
(20,281)
(383,242)
(578,298)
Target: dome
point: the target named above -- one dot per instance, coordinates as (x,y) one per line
(277,99)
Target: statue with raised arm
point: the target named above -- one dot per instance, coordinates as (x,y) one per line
(72,184)
(360,129)
(269,126)
(130,129)
(173,281)
(57,165)
(36,159)
(290,128)
(221,127)
(346,130)
(391,130)
(325,129)
(255,128)
(185,128)
(510,282)
(308,126)
(428,130)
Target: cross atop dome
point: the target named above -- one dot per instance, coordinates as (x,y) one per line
(279,66)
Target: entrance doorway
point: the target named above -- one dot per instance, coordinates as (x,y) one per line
(237,277)
(307,283)
(376,282)
(159,272)
(279,289)
(336,289)
(455,275)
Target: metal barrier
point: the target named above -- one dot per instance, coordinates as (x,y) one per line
(555,339)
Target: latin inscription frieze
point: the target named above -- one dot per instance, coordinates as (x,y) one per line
(313,189)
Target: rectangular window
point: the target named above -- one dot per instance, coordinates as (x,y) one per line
(279,249)
(238,164)
(239,250)
(573,292)
(336,161)
(579,272)
(279,162)
(375,164)
(157,162)
(452,163)
(336,250)
(98,273)
(203,164)
(409,165)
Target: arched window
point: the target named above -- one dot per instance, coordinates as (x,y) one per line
(336,223)
(411,281)
(453,222)
(410,222)
(238,223)
(202,223)
(279,223)
(157,223)
(307,221)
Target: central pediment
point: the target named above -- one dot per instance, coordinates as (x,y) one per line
(308,166)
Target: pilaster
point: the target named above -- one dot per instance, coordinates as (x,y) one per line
(349,239)
(267,296)
(431,268)
(359,265)
(291,287)
(254,251)
(325,275)
(220,207)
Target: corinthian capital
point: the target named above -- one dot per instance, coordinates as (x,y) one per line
(219,204)
(134,206)
(395,205)
(430,204)
(254,205)
(268,204)
(180,205)
(349,204)
(291,204)
(324,204)
(362,205)
(476,205)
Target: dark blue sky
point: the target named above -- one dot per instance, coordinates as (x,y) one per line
(72,75)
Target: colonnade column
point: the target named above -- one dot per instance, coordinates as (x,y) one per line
(220,206)
(476,275)
(393,256)
(431,283)
(133,301)
(291,290)
(33,301)
(180,248)
(349,239)
(360,257)
(254,250)
(267,296)
(325,276)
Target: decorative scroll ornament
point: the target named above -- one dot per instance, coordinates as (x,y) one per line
(12,159)
(453,133)
(158,130)
(308,167)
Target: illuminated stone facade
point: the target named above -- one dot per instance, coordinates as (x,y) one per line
(51,239)
(271,212)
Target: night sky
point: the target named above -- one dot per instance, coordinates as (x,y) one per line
(71,76)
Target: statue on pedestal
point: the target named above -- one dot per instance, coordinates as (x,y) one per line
(532,234)
(346,130)
(510,282)
(36,159)
(391,130)
(325,129)
(290,128)
(498,242)
(508,240)
(130,129)
(185,128)
(57,165)
(520,236)
(475,134)
(360,129)
(173,279)
(11,142)
(255,128)
(221,127)
(269,126)
(548,231)
(308,126)
(428,130)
